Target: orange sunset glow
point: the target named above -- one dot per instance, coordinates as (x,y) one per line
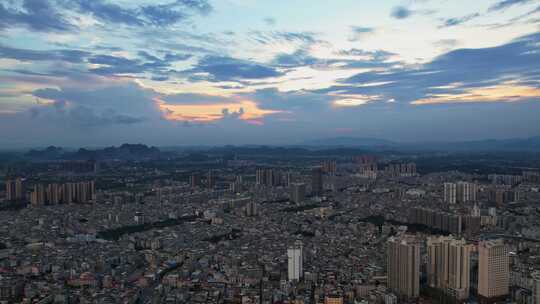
(245,110)
(504,92)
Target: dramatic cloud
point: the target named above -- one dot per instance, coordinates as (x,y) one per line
(158,15)
(125,105)
(37,15)
(277,37)
(243,110)
(231,69)
(145,70)
(192,99)
(506,92)
(359,32)
(72,56)
(378,55)
(296,59)
(298,102)
(401,12)
(490,72)
(459,20)
(504,4)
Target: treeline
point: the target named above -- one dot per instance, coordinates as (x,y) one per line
(116,233)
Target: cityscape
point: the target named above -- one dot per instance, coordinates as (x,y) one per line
(269,225)
(269,152)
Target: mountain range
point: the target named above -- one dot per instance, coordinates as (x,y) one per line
(513,144)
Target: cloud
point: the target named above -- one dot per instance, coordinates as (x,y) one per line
(446,44)
(359,32)
(37,15)
(52,15)
(219,68)
(72,56)
(244,110)
(269,21)
(157,15)
(505,92)
(194,98)
(379,55)
(401,12)
(297,102)
(362,59)
(126,104)
(283,37)
(458,20)
(161,15)
(107,12)
(109,65)
(513,64)
(167,14)
(296,59)
(526,15)
(504,4)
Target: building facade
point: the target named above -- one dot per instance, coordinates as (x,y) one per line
(403,266)
(493,269)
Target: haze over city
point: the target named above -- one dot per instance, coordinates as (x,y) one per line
(201,72)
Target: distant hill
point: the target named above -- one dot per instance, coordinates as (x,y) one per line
(124,152)
(50,152)
(513,144)
(350,142)
(531,144)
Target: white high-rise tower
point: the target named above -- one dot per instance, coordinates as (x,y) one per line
(295,261)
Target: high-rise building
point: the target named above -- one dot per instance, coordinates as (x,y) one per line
(437,219)
(466,192)
(268,177)
(252,209)
(260,177)
(195,180)
(210,179)
(289,179)
(298,192)
(53,194)
(19,189)
(531,176)
(503,195)
(403,266)
(472,225)
(505,179)
(14,189)
(10,190)
(316,181)
(448,265)
(368,170)
(329,167)
(493,269)
(295,261)
(396,170)
(450,193)
(237,185)
(38,196)
(80,192)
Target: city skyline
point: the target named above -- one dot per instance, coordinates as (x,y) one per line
(202,72)
(269,225)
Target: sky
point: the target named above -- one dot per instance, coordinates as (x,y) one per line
(212,72)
